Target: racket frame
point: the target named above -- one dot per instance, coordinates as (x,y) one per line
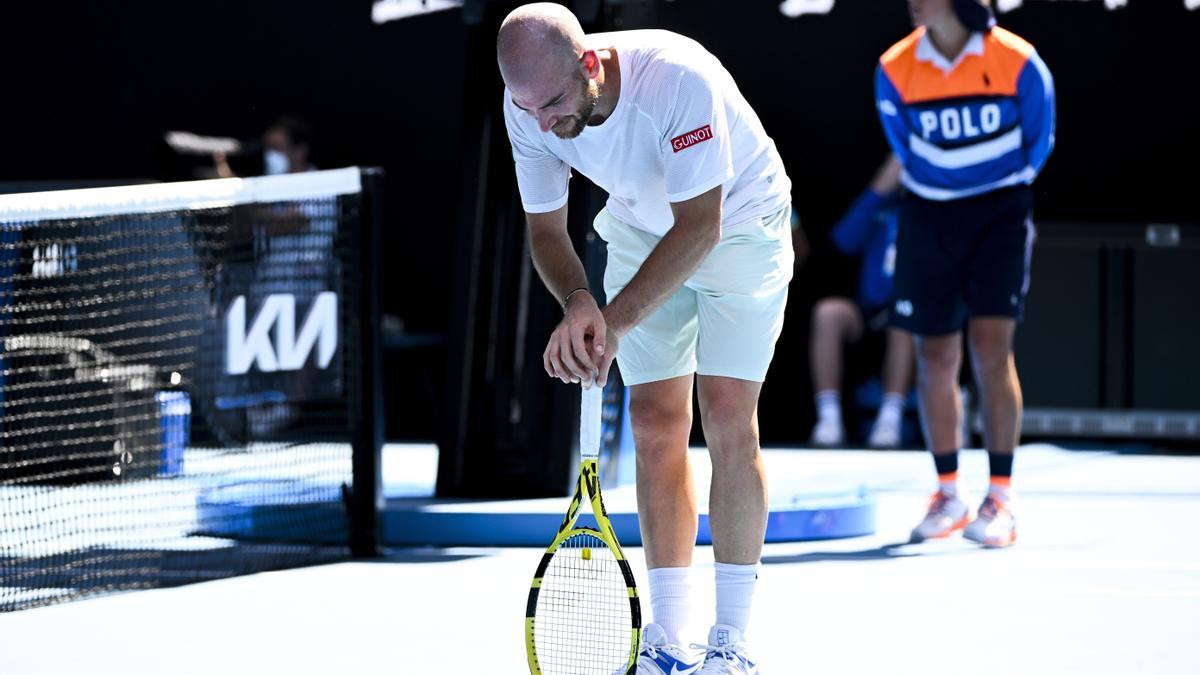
(587,484)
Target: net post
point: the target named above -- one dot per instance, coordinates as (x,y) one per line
(366,360)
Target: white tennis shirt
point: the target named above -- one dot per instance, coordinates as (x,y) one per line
(680,128)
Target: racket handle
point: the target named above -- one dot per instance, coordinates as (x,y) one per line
(591,403)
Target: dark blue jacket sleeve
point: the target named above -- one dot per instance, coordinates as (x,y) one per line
(890,108)
(1035,92)
(852,231)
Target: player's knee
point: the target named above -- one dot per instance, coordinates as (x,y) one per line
(728,425)
(991,359)
(832,314)
(659,425)
(937,359)
(990,353)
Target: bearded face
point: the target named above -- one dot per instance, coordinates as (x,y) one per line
(570,126)
(567,102)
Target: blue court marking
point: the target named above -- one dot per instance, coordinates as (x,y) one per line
(234,514)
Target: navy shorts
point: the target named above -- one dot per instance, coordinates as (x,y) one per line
(962,259)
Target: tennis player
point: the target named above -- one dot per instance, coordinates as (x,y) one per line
(699,258)
(969,109)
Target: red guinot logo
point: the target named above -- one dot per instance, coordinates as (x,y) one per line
(691,138)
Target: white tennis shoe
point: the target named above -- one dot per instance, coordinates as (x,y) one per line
(884,434)
(727,653)
(659,657)
(828,433)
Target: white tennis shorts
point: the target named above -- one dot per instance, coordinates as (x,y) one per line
(726,317)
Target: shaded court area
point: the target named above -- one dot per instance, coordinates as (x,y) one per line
(1105,579)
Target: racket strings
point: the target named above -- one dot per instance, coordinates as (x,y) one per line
(582,624)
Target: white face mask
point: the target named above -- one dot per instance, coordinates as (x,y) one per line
(275,162)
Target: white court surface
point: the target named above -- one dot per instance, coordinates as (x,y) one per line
(1105,579)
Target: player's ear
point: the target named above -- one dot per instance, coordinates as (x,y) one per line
(590,64)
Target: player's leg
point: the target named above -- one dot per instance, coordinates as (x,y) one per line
(995,370)
(657,360)
(898,362)
(930,305)
(661,418)
(998,283)
(835,321)
(738,493)
(741,295)
(939,359)
(897,378)
(1000,398)
(737,511)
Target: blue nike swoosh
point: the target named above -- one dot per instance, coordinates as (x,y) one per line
(664,661)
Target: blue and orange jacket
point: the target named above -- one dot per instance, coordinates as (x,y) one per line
(983,123)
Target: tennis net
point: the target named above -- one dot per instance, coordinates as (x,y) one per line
(181,381)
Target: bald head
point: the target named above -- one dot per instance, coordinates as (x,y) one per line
(537,41)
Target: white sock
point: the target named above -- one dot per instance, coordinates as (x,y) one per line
(1000,492)
(670,599)
(829,406)
(949,487)
(892,409)
(735,592)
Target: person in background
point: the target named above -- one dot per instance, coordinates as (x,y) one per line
(869,229)
(292,248)
(968,108)
(285,149)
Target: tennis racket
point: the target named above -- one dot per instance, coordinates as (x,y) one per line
(583,616)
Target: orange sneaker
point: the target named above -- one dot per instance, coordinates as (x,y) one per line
(995,526)
(947,514)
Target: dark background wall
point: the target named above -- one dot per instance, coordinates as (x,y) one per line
(93,87)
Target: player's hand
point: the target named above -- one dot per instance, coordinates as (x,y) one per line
(605,356)
(567,355)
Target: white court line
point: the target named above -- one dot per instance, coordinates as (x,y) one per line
(1014,559)
(1112,565)
(939,587)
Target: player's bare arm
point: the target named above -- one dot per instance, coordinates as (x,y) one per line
(566,356)
(696,232)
